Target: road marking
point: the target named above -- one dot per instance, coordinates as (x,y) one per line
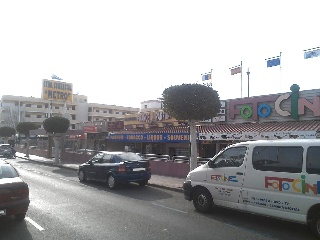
(64,179)
(36,225)
(169,208)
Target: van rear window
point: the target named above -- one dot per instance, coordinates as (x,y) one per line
(278,159)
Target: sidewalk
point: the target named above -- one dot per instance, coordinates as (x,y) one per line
(166,182)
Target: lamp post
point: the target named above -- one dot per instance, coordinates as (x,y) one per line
(248,73)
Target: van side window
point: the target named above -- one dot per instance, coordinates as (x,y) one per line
(313,160)
(232,157)
(278,159)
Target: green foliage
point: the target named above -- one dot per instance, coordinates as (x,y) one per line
(25,127)
(191,102)
(7,131)
(56,125)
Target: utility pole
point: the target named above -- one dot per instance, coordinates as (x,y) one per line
(248,73)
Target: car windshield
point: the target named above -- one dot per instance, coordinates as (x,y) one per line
(7,171)
(127,157)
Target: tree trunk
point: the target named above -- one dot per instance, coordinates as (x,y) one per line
(49,146)
(193,144)
(56,140)
(28,146)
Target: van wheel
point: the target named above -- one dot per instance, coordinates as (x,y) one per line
(315,225)
(202,200)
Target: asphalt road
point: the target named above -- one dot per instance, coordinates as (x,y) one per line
(63,208)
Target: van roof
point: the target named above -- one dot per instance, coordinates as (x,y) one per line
(282,142)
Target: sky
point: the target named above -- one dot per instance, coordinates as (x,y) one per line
(125,52)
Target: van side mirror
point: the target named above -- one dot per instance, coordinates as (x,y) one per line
(211,164)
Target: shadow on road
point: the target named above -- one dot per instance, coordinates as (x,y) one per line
(274,228)
(13,230)
(132,190)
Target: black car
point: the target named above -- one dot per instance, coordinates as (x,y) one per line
(116,168)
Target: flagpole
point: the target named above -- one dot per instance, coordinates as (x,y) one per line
(241,79)
(211,78)
(280,62)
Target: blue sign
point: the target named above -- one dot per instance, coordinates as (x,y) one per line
(151,137)
(56,77)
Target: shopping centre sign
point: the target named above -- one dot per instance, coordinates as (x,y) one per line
(263,106)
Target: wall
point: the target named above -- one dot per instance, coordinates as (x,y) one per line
(165,168)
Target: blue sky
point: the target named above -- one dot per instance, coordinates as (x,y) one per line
(124,52)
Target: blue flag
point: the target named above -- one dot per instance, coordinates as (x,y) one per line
(273,62)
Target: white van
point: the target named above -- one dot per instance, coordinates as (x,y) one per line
(277,178)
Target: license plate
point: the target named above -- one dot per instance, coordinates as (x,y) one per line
(2,212)
(138,169)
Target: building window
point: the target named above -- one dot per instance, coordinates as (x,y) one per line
(145,106)
(89,118)
(97,111)
(27,115)
(73,107)
(38,116)
(110,111)
(28,105)
(105,111)
(73,126)
(73,117)
(46,105)
(90,109)
(117,112)
(39,106)
(56,107)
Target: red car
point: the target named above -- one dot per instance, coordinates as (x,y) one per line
(14,193)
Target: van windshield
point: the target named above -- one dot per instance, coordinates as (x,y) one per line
(231,157)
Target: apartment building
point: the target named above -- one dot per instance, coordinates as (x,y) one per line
(15,109)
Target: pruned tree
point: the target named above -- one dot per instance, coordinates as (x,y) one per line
(24,128)
(193,103)
(7,132)
(56,126)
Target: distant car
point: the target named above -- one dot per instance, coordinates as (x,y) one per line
(14,193)
(7,151)
(116,168)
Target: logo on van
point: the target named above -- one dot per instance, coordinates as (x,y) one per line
(297,185)
(223,178)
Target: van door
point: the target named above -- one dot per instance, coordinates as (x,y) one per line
(273,184)
(225,176)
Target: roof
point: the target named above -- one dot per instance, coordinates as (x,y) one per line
(238,127)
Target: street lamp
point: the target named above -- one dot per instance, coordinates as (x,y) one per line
(248,73)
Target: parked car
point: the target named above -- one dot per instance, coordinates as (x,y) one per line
(14,193)
(116,168)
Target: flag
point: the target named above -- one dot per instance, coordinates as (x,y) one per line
(236,70)
(206,76)
(311,53)
(272,62)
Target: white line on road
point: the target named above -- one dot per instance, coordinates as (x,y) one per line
(169,208)
(36,225)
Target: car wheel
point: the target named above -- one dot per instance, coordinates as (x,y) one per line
(111,182)
(202,200)
(82,176)
(20,217)
(143,183)
(315,225)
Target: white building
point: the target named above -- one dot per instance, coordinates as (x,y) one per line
(15,109)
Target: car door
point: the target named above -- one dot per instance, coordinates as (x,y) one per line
(225,176)
(92,167)
(102,166)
